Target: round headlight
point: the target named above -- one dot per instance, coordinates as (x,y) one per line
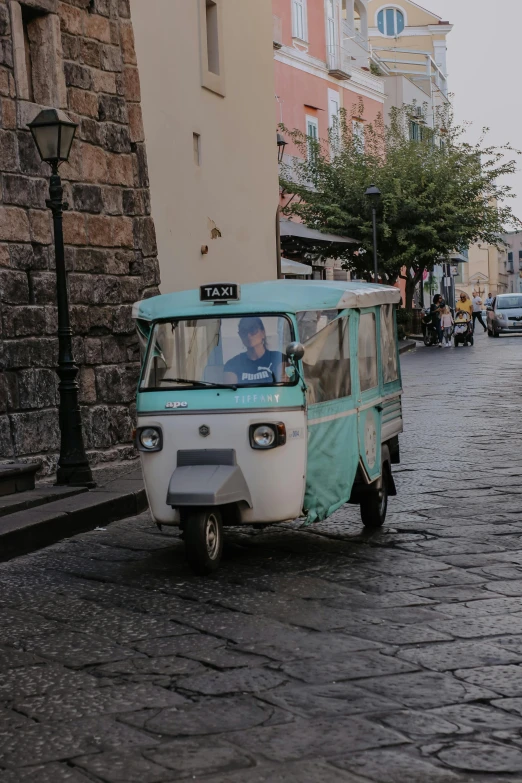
(150,438)
(500,315)
(264,436)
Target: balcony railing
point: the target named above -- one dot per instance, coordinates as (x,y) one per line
(278,32)
(415,65)
(339,62)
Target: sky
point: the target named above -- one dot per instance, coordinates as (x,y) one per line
(484,66)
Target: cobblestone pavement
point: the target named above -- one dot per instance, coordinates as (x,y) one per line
(316,655)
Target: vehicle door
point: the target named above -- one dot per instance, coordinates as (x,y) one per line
(329,341)
(390,373)
(369,401)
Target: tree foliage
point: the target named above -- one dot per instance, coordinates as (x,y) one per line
(440,193)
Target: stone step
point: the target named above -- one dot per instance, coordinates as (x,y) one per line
(42,494)
(17,477)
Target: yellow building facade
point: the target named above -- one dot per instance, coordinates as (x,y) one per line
(207,87)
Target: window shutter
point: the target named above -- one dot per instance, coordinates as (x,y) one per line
(299,19)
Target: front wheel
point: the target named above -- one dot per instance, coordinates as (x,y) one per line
(495,333)
(374,505)
(427,340)
(203,531)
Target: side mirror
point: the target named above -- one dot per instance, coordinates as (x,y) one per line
(295,351)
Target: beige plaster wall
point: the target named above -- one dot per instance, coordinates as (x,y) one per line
(234,190)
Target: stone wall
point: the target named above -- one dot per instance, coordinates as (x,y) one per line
(109,234)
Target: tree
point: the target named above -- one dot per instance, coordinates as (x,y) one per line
(439,192)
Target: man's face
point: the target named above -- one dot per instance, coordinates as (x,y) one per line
(251,336)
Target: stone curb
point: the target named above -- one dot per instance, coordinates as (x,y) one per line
(33,528)
(407,345)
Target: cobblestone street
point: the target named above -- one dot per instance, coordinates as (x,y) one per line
(317,655)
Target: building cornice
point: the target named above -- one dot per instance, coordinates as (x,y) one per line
(361,82)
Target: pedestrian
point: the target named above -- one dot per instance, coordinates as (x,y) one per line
(446,323)
(477,311)
(435,309)
(464,305)
(489,301)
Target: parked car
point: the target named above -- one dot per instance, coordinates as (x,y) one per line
(505,315)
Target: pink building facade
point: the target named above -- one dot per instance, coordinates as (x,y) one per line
(322,65)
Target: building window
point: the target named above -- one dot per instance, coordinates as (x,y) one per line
(211,45)
(299,20)
(37,55)
(196,143)
(312,132)
(212,37)
(368,373)
(358,134)
(390,21)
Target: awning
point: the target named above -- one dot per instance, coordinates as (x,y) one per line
(297,234)
(289,267)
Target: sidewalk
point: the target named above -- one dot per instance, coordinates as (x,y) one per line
(46,514)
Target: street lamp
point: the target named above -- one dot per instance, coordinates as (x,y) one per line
(374,195)
(53,133)
(281,144)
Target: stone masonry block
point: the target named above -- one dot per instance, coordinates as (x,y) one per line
(93,350)
(43,288)
(24,321)
(142,170)
(26,257)
(8,150)
(6,443)
(114,350)
(94,164)
(120,170)
(5,260)
(123,323)
(111,59)
(127,43)
(14,225)
(104,81)
(117,138)
(77,76)
(145,236)
(71,46)
(38,352)
(37,388)
(124,9)
(112,109)
(96,425)
(90,131)
(40,222)
(82,102)
(5,85)
(14,287)
(112,201)
(106,231)
(35,431)
(71,19)
(74,230)
(5,26)
(98,27)
(91,260)
(24,191)
(30,162)
(117,383)
(137,132)
(87,381)
(90,53)
(121,424)
(8,113)
(87,198)
(132,84)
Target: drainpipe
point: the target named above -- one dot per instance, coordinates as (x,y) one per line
(278,242)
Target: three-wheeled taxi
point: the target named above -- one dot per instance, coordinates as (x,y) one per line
(264,403)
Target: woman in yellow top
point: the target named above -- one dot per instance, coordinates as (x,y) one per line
(464,305)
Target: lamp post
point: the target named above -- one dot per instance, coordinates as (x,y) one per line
(374,195)
(53,133)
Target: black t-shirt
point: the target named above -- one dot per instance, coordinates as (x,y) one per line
(435,312)
(258,371)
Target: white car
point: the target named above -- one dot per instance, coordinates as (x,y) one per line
(505,315)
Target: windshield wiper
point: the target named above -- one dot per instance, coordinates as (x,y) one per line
(201,383)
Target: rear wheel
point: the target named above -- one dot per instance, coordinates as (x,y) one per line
(203,531)
(471,340)
(456,342)
(374,505)
(427,340)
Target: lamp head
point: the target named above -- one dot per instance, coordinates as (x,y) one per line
(53,133)
(373,193)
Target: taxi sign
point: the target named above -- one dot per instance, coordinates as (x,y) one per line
(220,292)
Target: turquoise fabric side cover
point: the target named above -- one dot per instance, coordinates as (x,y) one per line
(333,457)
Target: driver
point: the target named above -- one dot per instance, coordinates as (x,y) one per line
(257,365)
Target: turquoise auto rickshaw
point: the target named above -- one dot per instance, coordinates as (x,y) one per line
(267,402)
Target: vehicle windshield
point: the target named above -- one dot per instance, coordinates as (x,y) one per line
(509,302)
(221,352)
